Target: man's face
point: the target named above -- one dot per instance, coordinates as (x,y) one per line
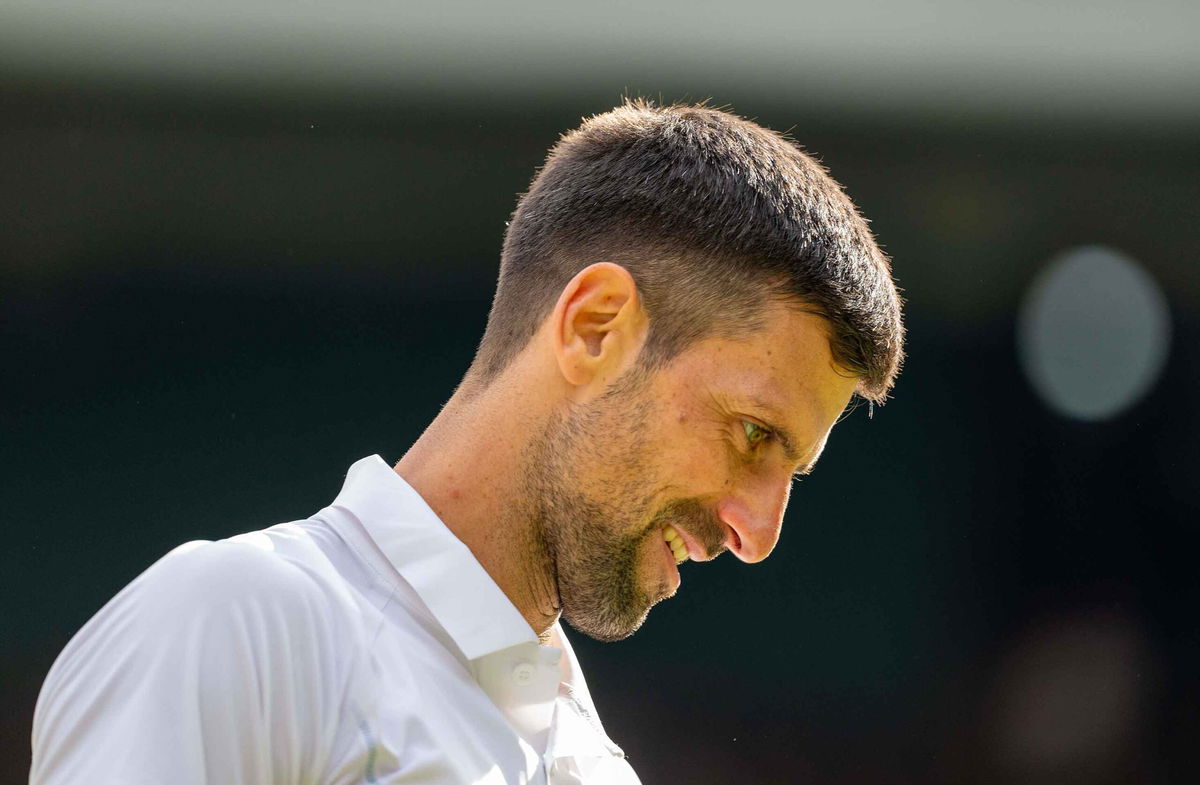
(708,446)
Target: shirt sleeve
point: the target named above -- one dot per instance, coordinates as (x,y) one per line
(220,664)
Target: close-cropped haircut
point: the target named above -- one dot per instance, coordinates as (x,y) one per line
(716,218)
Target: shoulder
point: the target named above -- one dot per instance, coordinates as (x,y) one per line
(232,573)
(229,652)
(227,617)
(237,590)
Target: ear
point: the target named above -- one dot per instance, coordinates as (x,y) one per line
(598,326)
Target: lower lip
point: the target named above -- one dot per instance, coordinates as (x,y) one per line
(673,578)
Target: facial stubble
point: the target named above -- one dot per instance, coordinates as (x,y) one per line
(588,492)
(591,481)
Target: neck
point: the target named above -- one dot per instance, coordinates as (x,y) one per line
(468,466)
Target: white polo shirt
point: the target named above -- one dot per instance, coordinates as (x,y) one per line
(363,645)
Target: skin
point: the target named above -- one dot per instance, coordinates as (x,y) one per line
(562,473)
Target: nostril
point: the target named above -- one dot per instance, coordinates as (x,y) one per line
(736,541)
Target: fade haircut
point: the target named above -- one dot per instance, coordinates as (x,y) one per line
(716,218)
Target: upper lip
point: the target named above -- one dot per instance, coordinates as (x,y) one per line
(688,543)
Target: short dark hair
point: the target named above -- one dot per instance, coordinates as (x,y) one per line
(715,217)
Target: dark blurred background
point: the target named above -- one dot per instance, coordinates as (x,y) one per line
(243,245)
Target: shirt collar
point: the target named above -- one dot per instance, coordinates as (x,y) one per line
(440,568)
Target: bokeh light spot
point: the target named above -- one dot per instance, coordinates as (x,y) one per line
(1093,333)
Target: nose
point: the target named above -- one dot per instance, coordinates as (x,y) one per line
(754,517)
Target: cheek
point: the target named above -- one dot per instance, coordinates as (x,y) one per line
(704,468)
(701,452)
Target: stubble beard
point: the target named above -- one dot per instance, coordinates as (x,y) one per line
(588,484)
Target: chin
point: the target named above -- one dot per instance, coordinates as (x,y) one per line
(608,600)
(606,627)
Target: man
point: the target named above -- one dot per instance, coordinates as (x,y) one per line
(686,305)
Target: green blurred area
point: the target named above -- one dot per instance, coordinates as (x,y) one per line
(212,305)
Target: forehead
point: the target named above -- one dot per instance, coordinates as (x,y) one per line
(786,367)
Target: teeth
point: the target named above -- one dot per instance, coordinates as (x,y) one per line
(678,549)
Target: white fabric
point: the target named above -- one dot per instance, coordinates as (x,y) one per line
(363,645)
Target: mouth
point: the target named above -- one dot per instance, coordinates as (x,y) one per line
(674,554)
(675,542)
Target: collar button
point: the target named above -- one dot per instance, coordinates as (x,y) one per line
(523,674)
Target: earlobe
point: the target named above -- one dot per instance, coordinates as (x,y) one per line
(599,325)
